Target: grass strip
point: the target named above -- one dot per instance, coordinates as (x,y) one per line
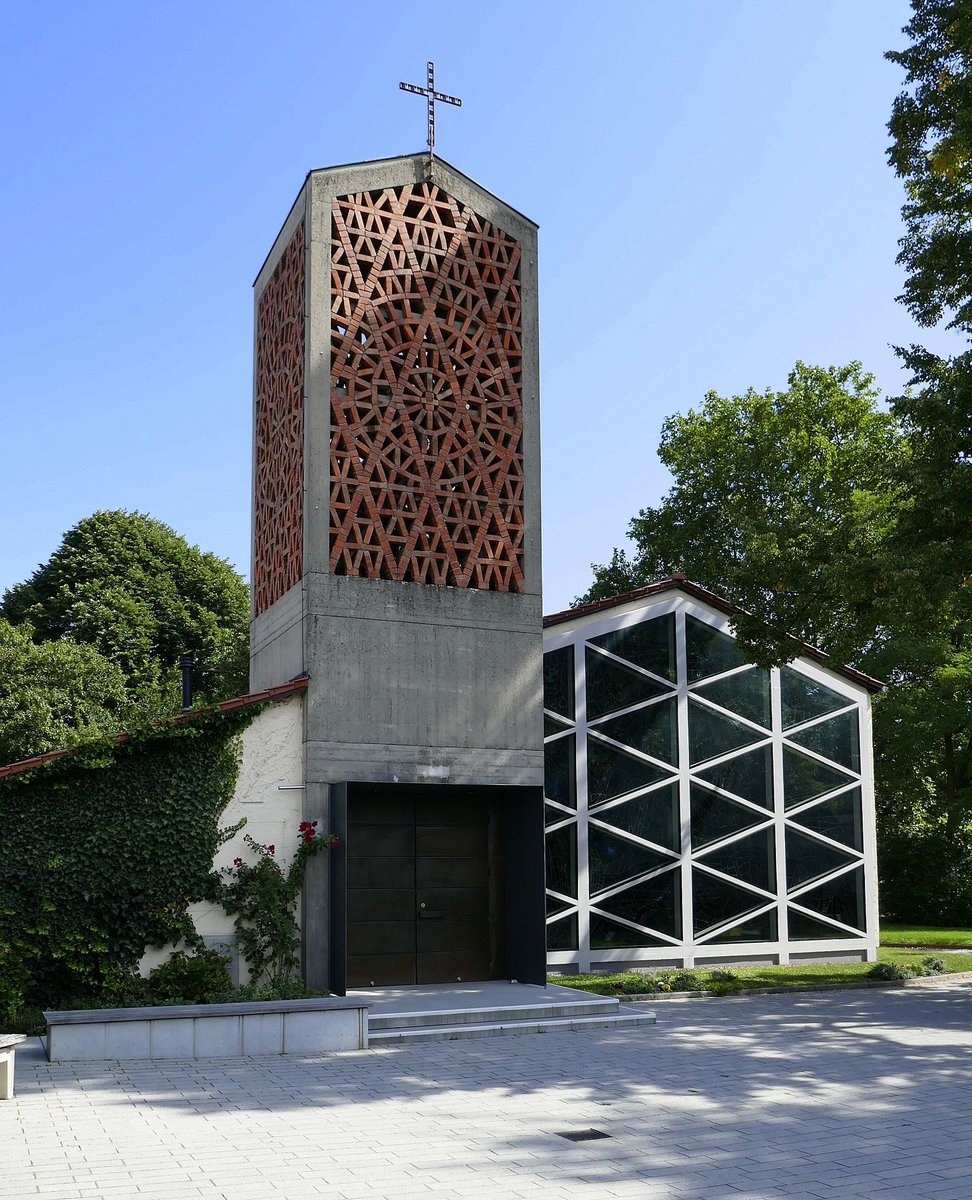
(793,975)
(936,938)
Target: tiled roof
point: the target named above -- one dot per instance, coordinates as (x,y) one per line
(678,582)
(275,693)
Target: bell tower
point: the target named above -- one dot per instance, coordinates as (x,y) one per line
(396,548)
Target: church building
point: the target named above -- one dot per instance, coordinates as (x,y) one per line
(612,786)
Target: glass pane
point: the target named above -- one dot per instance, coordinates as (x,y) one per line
(558,681)
(839,818)
(802,698)
(715,900)
(751,859)
(562,934)
(655,902)
(559,771)
(551,725)
(804,928)
(650,644)
(551,815)
(611,685)
(807,859)
(838,739)
(711,734)
(804,778)
(754,929)
(747,694)
(749,775)
(614,859)
(555,906)
(708,650)
(652,730)
(715,817)
(609,935)
(653,816)
(611,772)
(841,898)
(562,860)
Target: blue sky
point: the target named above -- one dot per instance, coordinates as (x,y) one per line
(709,179)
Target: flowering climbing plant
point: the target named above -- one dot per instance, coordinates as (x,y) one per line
(262,898)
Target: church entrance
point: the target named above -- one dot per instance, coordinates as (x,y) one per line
(422,894)
(435,883)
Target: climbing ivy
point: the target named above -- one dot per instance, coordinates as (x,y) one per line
(104,850)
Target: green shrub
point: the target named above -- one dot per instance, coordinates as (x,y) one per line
(891,971)
(25,1020)
(933,965)
(198,978)
(283,989)
(925,878)
(722,982)
(686,981)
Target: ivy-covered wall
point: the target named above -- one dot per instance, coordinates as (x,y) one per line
(269,799)
(103,851)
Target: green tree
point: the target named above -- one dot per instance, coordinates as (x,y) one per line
(931,150)
(130,587)
(54,694)
(781,501)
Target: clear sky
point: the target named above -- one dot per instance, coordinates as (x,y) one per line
(709,177)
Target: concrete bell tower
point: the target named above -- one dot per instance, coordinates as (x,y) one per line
(396,561)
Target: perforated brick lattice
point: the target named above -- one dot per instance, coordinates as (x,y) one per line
(426,419)
(279,468)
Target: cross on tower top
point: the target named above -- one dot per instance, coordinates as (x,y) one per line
(432,95)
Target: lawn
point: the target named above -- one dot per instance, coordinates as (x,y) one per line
(793,975)
(940,939)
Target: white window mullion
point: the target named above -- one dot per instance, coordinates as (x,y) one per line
(776,719)
(583,862)
(684,786)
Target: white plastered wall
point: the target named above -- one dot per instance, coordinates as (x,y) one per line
(269,795)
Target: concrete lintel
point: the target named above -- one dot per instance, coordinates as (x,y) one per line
(412,764)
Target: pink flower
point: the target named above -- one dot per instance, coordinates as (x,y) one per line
(271,849)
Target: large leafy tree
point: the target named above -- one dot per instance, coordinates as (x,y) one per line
(931,151)
(931,128)
(54,694)
(782,501)
(134,590)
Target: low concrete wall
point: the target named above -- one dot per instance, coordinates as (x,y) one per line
(182,1031)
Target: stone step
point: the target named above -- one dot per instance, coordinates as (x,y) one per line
(425,1033)
(491,1014)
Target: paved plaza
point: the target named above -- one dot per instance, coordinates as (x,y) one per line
(854,1093)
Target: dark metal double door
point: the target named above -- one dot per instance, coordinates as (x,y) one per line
(420,904)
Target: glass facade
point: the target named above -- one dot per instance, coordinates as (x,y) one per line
(699,806)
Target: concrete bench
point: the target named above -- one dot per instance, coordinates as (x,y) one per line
(8,1048)
(300,1027)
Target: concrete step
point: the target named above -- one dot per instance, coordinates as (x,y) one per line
(490,1014)
(506,1028)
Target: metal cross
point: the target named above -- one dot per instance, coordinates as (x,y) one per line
(433,95)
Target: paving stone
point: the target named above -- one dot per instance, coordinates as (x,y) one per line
(742,1099)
